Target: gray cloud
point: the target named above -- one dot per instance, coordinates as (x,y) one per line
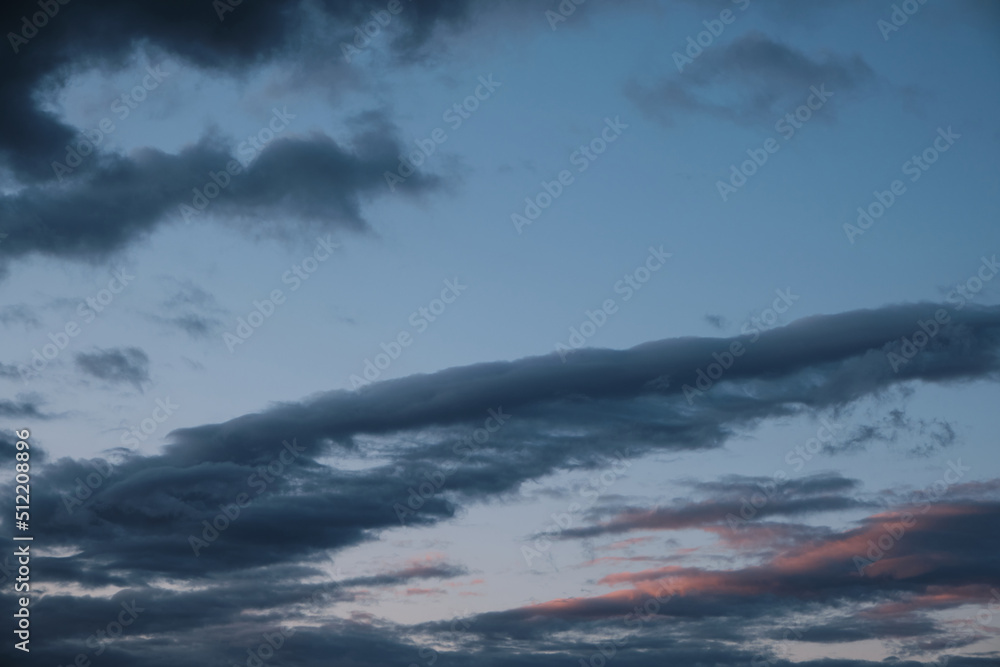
(128,365)
(111,200)
(933,434)
(751,80)
(23,408)
(192,310)
(22,314)
(139,523)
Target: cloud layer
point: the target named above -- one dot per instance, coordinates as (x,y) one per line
(213,508)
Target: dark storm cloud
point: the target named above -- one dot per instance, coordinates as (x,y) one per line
(605,396)
(111,200)
(142,517)
(817,362)
(129,365)
(121,199)
(750,80)
(105,33)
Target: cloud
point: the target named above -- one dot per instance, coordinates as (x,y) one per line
(19,314)
(28,407)
(716,321)
(430,567)
(112,200)
(937,435)
(9,371)
(142,523)
(8,454)
(128,365)
(105,34)
(730,499)
(123,199)
(938,560)
(191,309)
(751,80)
(575,415)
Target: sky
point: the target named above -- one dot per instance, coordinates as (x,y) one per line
(528,333)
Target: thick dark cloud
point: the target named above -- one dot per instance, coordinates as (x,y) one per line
(121,199)
(819,362)
(150,517)
(128,365)
(105,34)
(607,397)
(111,200)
